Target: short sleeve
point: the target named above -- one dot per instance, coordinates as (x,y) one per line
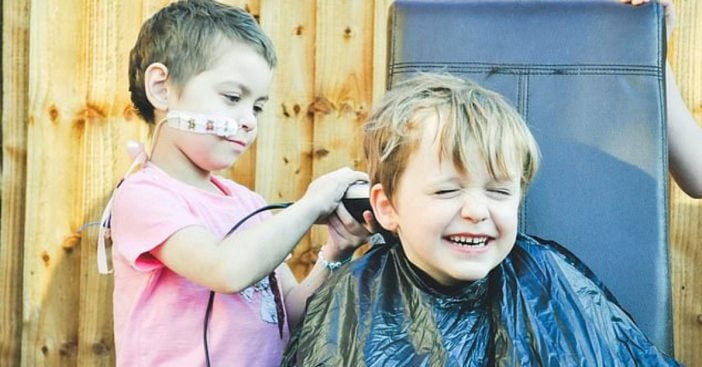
(145,215)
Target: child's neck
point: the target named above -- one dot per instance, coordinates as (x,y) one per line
(187,172)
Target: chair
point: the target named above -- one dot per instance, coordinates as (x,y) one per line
(588,77)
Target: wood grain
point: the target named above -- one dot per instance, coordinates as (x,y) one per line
(685,55)
(284,167)
(66,119)
(15,62)
(344,69)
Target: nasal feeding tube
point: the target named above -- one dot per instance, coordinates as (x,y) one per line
(202,123)
(198,123)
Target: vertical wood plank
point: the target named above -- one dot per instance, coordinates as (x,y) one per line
(244,171)
(344,86)
(285,130)
(111,28)
(66,120)
(380,48)
(15,73)
(58,115)
(686,213)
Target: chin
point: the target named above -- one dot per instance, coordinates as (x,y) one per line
(226,162)
(218,166)
(471,276)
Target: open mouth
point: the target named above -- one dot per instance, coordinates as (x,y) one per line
(467,241)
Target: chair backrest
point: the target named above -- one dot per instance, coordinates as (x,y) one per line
(588,77)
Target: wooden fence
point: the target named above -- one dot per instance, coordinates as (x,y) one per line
(66,119)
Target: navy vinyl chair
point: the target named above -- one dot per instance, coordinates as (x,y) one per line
(588,77)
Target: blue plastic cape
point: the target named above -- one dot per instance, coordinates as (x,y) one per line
(540,307)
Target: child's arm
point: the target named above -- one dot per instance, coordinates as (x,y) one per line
(684,141)
(684,135)
(245,257)
(345,234)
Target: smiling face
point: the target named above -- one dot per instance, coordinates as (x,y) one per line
(448,161)
(235,86)
(455,225)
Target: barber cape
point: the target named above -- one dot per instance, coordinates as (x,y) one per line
(541,306)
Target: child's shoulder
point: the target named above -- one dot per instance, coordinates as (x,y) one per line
(232,187)
(544,260)
(543,249)
(151,179)
(148,180)
(358,278)
(364,267)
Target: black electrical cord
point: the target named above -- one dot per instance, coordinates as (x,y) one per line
(212,293)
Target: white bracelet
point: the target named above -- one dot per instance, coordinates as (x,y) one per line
(331,265)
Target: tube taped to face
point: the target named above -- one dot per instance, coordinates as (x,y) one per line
(198,123)
(202,123)
(540,307)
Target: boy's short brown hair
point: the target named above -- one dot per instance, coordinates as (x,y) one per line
(475,115)
(182,36)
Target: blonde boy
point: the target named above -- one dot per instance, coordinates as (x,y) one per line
(456,284)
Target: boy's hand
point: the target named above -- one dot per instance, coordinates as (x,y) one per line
(669,12)
(345,234)
(324,194)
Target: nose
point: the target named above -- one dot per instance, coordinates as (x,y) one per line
(247,121)
(474,209)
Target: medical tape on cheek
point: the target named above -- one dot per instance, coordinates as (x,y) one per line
(202,123)
(188,121)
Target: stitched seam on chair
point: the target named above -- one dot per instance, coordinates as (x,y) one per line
(391,51)
(669,342)
(493,71)
(530,69)
(530,64)
(523,109)
(662,108)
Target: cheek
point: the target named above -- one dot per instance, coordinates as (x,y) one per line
(428,215)
(198,146)
(507,216)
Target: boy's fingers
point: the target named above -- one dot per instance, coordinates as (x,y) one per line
(371,223)
(635,2)
(345,217)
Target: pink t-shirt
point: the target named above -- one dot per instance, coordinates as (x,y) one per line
(158,314)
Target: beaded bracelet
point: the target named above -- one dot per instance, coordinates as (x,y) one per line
(333,265)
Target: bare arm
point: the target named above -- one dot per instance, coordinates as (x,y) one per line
(231,264)
(345,234)
(684,135)
(684,141)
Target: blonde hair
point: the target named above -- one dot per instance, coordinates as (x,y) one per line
(475,115)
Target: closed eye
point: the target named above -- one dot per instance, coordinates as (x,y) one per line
(232,98)
(500,192)
(446,192)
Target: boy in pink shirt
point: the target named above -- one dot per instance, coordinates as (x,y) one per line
(201,71)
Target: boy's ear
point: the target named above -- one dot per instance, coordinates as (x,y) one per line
(382,208)
(155,79)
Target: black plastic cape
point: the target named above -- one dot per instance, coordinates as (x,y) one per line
(540,307)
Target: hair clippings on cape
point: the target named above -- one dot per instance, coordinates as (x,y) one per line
(202,123)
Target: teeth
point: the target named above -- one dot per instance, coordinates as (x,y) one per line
(469,241)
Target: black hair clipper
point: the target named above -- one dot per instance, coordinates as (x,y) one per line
(356,201)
